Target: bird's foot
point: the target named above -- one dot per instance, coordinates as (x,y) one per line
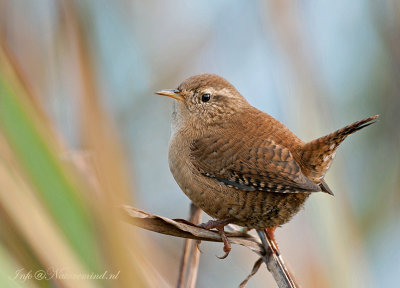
(219,225)
(227,245)
(215,224)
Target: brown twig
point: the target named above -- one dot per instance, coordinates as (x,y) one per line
(191,255)
(184,229)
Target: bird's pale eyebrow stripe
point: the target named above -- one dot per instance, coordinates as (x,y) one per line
(224,91)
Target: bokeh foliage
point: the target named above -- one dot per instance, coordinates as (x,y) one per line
(80,131)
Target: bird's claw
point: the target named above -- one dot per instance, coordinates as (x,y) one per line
(227,249)
(219,225)
(227,245)
(223,257)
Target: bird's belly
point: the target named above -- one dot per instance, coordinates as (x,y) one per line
(253,209)
(265,209)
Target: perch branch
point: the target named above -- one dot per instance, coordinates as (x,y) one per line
(184,229)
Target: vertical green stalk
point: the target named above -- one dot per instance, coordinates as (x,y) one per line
(46,174)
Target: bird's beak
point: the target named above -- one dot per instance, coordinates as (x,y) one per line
(173,93)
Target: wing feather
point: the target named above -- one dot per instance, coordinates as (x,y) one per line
(250,164)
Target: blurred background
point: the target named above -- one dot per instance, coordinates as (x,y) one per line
(78,81)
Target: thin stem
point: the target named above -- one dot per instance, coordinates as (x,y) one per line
(275,263)
(191,255)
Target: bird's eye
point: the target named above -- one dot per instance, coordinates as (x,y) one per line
(205,97)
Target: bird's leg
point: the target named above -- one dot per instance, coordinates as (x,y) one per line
(219,225)
(271,238)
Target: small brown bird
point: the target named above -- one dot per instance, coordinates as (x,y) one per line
(239,164)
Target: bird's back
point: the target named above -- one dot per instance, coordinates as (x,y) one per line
(254,123)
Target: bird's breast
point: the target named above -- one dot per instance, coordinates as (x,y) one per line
(205,192)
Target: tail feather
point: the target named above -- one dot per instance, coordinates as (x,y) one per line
(318,154)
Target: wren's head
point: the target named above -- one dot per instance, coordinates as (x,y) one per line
(205,100)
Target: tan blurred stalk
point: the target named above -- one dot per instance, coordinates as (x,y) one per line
(99,139)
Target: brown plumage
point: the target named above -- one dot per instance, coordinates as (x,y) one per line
(239,164)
